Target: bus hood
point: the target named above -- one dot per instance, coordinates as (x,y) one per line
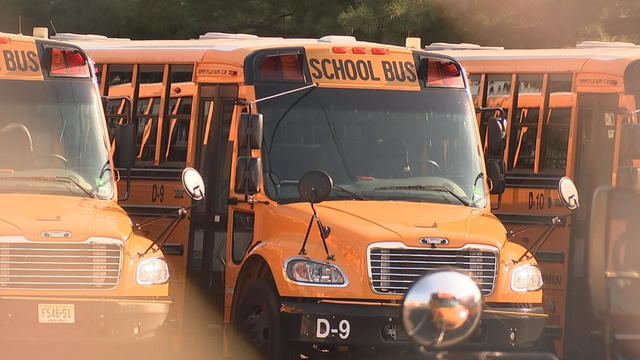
(61,218)
(409,222)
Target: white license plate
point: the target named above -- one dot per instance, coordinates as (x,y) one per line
(56,313)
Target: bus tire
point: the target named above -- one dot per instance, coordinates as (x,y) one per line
(257,325)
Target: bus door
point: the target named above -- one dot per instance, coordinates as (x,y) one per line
(207,248)
(593,168)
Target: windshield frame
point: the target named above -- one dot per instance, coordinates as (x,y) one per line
(61,101)
(449,196)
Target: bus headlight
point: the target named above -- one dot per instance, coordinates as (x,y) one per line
(152,272)
(526,278)
(313,272)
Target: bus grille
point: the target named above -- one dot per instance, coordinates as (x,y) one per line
(393,270)
(60,266)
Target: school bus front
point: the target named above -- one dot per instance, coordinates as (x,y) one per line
(395,130)
(71,267)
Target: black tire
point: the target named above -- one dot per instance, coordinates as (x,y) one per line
(258,325)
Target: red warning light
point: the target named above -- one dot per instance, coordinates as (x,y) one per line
(379,51)
(339,49)
(444,73)
(359,50)
(286,67)
(5,40)
(68,63)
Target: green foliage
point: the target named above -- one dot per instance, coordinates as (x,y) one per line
(509,23)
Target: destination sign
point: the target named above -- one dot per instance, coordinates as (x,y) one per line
(19,60)
(391,71)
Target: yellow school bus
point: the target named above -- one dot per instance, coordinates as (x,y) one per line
(72,268)
(566,112)
(387,133)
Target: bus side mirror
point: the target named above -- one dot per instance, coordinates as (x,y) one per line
(250,131)
(497,130)
(496,172)
(315,186)
(248,170)
(568,193)
(193,183)
(126,145)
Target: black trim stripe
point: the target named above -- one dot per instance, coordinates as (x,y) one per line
(172,249)
(550,256)
(552,331)
(530,219)
(153,174)
(537,182)
(149,211)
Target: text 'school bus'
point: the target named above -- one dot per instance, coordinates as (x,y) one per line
(394,128)
(71,266)
(566,112)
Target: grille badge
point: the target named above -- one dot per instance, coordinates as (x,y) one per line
(433,241)
(56,234)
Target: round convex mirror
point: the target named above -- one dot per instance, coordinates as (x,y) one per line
(441,309)
(568,193)
(315,186)
(193,183)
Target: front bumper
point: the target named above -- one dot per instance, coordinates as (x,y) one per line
(332,323)
(94,319)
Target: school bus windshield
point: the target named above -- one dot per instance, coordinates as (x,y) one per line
(51,139)
(376,144)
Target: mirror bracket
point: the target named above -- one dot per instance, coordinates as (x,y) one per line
(324,234)
(314,187)
(536,245)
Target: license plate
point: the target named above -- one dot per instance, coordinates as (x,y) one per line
(56,313)
(330,327)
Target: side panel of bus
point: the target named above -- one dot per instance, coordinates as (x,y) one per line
(541,111)
(162,100)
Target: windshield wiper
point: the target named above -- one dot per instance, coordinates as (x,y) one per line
(53,179)
(426,188)
(335,188)
(353,194)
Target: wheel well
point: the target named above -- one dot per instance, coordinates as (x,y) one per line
(254,268)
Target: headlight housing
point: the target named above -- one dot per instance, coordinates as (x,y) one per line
(310,272)
(526,278)
(152,271)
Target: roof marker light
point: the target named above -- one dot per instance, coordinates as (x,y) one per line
(359,50)
(379,51)
(339,49)
(5,40)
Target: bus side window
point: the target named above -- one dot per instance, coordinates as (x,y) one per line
(119,76)
(555,137)
(176,130)
(522,144)
(524,129)
(146,121)
(115,108)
